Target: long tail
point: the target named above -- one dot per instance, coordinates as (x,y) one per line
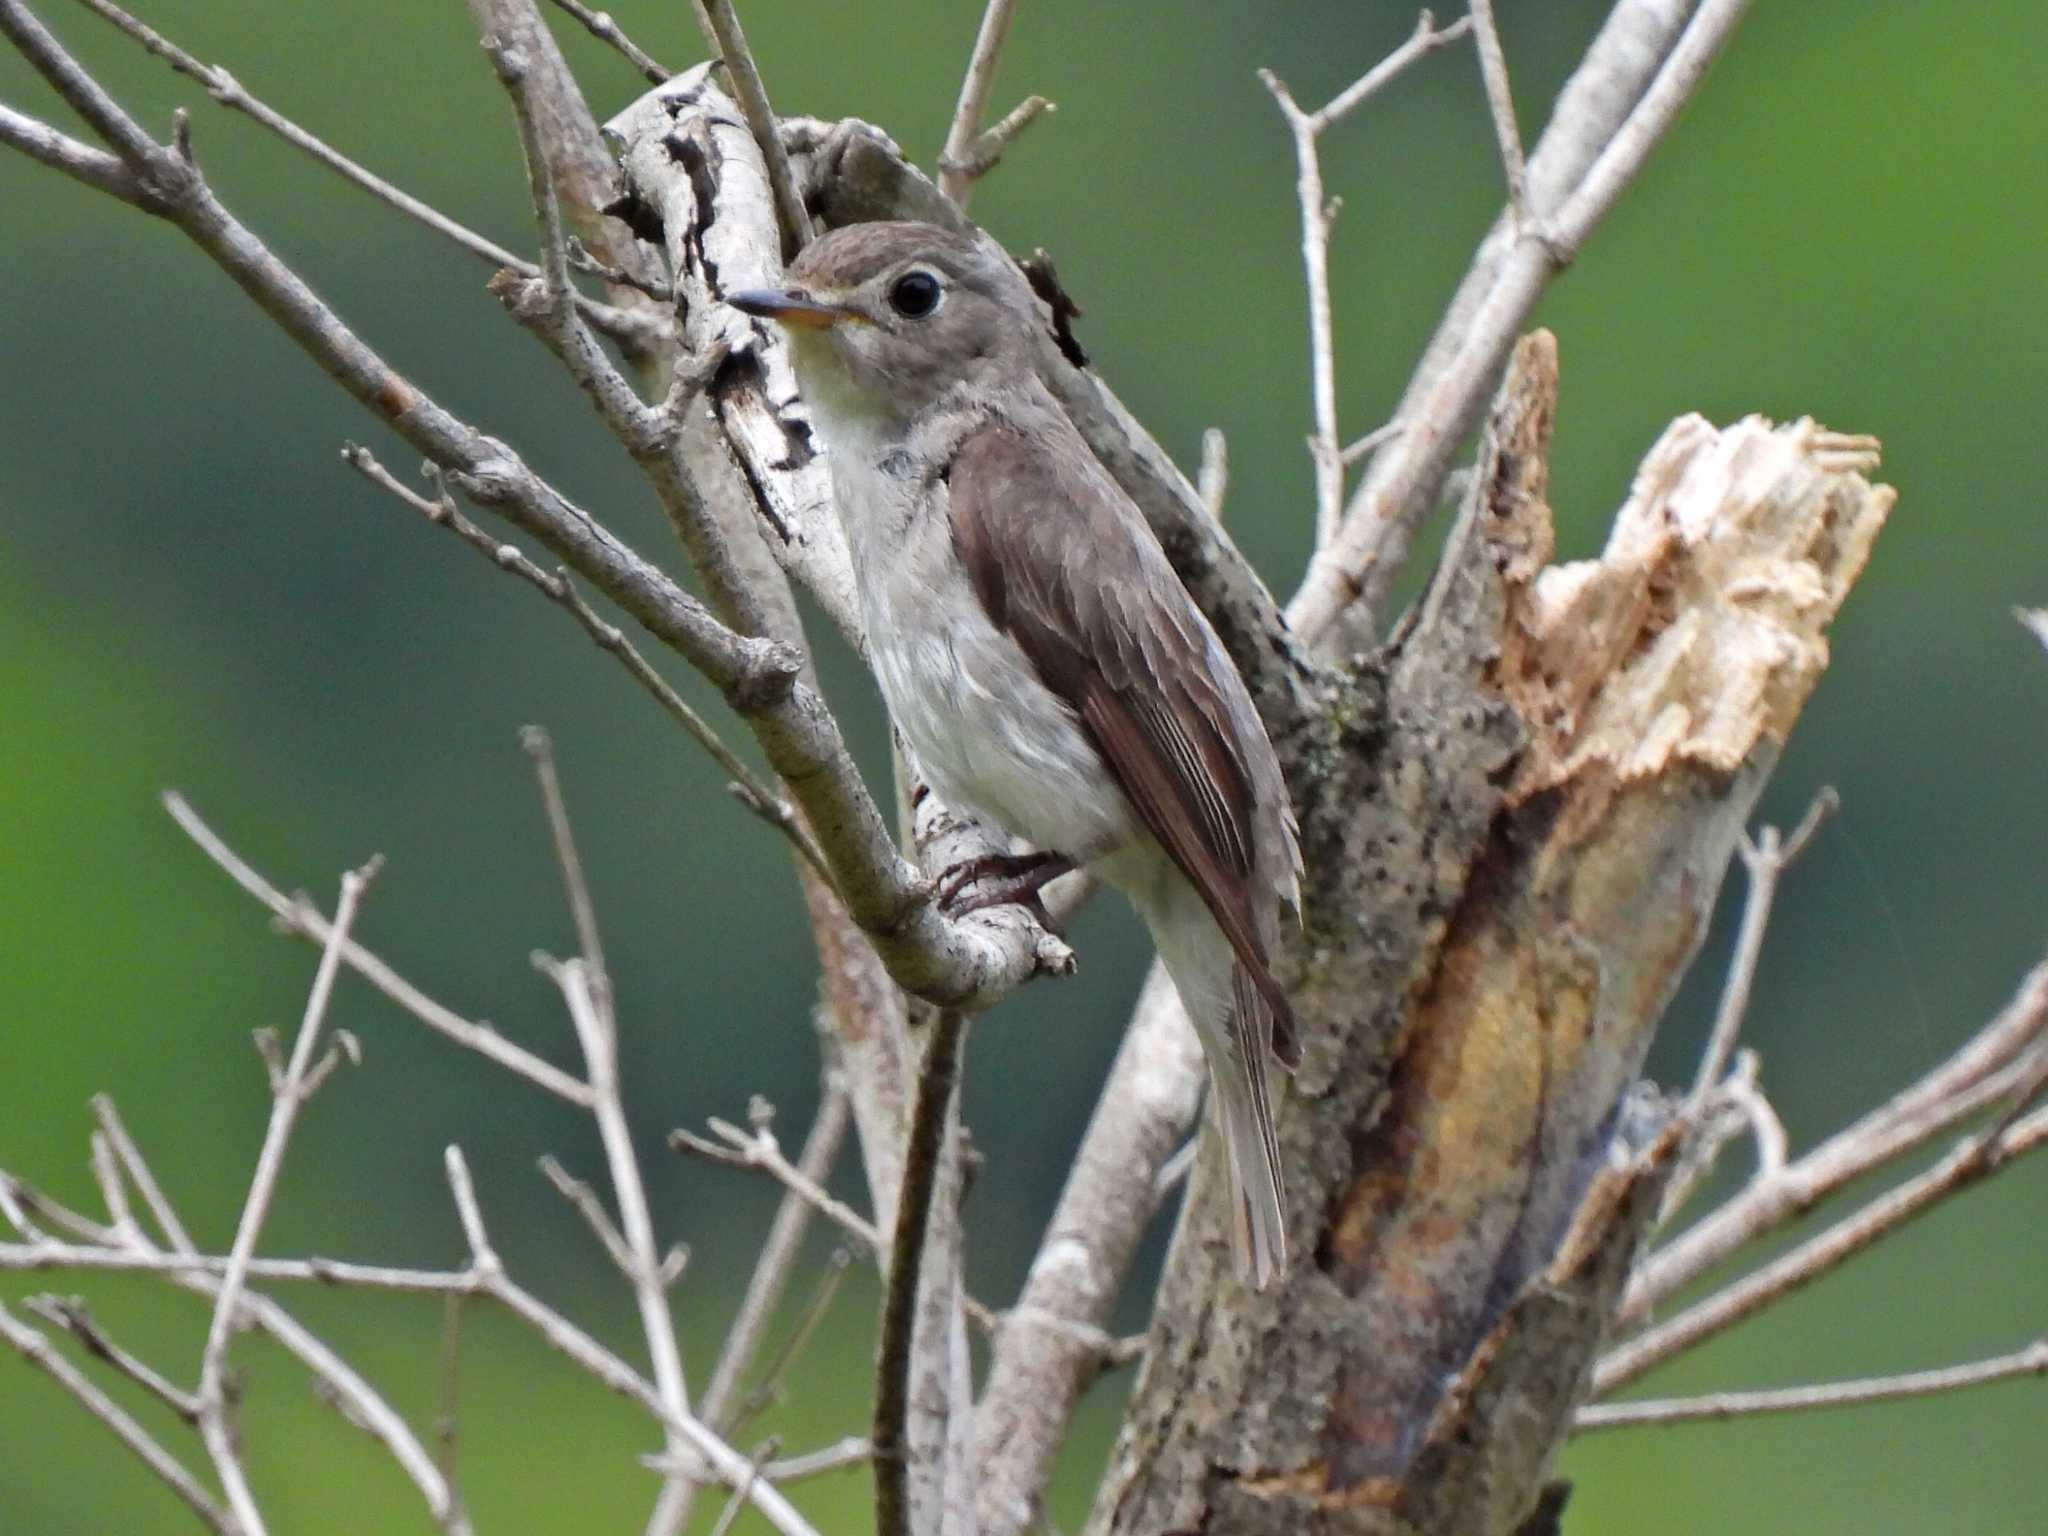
(1235,1021)
(1244,1103)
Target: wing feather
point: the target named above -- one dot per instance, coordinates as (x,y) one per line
(1063,564)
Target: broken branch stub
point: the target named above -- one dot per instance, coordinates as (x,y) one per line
(1516,859)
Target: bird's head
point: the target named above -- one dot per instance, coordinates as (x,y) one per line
(886,318)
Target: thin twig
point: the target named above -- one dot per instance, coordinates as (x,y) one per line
(111,1257)
(2030,1361)
(722,30)
(1212,483)
(1316,214)
(448,1422)
(588,998)
(601,26)
(1378,437)
(60,152)
(202,1274)
(214,1406)
(849,1452)
(582,910)
(69,1313)
(1765,862)
(107,1175)
(1976,1159)
(580,1195)
(37,1350)
(968,962)
(1618,106)
(584,260)
(921,1159)
(590,367)
(747,786)
(738,1499)
(1500,102)
(760,1150)
(691,1443)
(299,918)
(985,152)
(223,87)
(956,176)
(1987,1069)
(777,1259)
(1325,446)
(769,1389)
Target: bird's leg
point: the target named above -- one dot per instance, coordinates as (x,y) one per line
(1013,879)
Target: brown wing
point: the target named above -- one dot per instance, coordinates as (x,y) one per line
(1063,564)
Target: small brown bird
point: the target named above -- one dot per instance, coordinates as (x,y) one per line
(1038,654)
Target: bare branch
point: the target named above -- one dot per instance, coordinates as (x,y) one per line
(1500,102)
(202,1274)
(81,162)
(1976,1159)
(603,27)
(43,1254)
(1765,861)
(580,167)
(580,1195)
(747,787)
(956,175)
(1049,1347)
(768,1390)
(1650,57)
(738,1499)
(1317,212)
(69,1313)
(849,1452)
(113,1193)
(447,1423)
(299,918)
(1988,1069)
(2030,1361)
(968,962)
(1212,483)
(777,1258)
(987,149)
(527,83)
(214,1407)
(1427,38)
(36,1349)
(582,910)
(589,1000)
(1377,438)
(634,330)
(721,26)
(583,260)
(915,1214)
(761,1151)
(137,1169)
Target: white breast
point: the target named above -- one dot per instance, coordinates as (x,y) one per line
(991,738)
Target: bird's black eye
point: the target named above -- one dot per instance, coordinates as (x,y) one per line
(915,294)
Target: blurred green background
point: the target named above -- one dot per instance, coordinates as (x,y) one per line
(1852,223)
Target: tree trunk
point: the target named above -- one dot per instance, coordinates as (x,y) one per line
(1516,819)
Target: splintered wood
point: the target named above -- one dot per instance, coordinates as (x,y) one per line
(1492,1209)
(1698,634)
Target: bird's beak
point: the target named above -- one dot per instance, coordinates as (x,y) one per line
(791,306)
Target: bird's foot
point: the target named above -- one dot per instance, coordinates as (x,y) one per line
(1000,880)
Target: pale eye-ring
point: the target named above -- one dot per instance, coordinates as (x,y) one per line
(915,294)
